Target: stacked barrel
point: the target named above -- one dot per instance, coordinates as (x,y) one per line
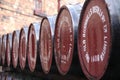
(88,33)
(99,39)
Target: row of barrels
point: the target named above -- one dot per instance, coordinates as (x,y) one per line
(89,33)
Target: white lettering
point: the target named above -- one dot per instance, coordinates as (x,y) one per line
(84,45)
(95,58)
(69,52)
(87,58)
(98,57)
(63,59)
(105,28)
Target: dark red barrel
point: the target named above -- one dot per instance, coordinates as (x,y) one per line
(99,39)
(8,49)
(0,50)
(23,47)
(33,37)
(3,49)
(15,48)
(65,36)
(46,42)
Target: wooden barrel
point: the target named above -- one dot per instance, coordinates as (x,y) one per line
(8,49)
(15,48)
(0,50)
(23,47)
(65,36)
(99,39)
(46,42)
(3,49)
(33,37)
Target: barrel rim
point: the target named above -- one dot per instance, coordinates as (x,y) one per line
(49,68)
(0,49)
(10,47)
(111,39)
(3,43)
(31,67)
(22,65)
(57,17)
(14,63)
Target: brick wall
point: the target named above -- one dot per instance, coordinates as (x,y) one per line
(50,7)
(15,14)
(65,2)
